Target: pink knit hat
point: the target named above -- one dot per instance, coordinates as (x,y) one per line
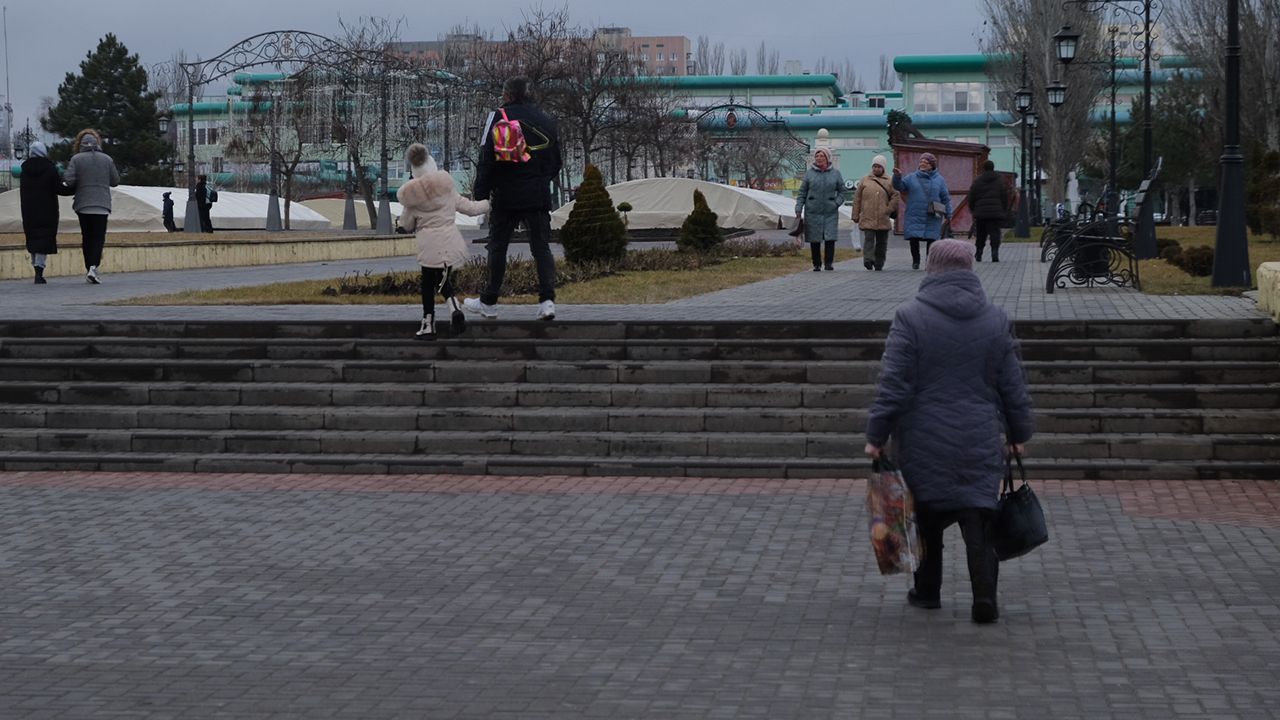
(948,255)
(931,159)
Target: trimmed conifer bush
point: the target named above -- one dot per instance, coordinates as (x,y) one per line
(700,233)
(594,232)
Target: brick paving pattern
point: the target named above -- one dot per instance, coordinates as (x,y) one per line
(246,596)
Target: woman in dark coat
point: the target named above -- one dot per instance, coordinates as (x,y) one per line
(39,188)
(954,397)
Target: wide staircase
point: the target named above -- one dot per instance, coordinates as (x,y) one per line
(1167,399)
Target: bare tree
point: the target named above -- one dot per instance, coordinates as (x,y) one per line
(1022,30)
(702,55)
(762,59)
(775,63)
(1198,30)
(717,60)
(738,62)
(358,123)
(888,76)
(850,80)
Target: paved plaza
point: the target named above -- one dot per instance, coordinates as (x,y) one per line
(193,596)
(296,596)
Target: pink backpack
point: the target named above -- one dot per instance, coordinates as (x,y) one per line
(508,140)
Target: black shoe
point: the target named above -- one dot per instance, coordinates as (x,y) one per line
(879,268)
(985,612)
(915,600)
(817,268)
(868,264)
(41,281)
(995,259)
(915,266)
(977,258)
(829,268)
(458,322)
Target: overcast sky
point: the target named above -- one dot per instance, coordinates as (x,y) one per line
(49,38)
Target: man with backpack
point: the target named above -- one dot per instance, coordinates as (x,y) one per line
(518,162)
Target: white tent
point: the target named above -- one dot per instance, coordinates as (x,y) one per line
(136,208)
(335,210)
(666,202)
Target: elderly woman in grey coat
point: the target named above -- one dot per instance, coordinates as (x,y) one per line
(820,198)
(91,173)
(954,397)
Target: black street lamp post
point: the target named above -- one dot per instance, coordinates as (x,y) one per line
(1066,43)
(1142,16)
(1022,103)
(1036,143)
(1231,246)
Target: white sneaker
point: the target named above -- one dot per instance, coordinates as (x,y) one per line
(547,310)
(473,305)
(92,275)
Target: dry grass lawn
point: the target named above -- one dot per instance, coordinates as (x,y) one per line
(1162,278)
(629,288)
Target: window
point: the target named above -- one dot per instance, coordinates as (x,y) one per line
(875,102)
(644,57)
(657,56)
(948,97)
(925,97)
(213,136)
(217,164)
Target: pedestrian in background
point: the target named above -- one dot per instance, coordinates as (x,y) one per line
(166,213)
(431,202)
(928,205)
(874,203)
(819,200)
(989,205)
(91,174)
(520,192)
(953,396)
(204,203)
(38,191)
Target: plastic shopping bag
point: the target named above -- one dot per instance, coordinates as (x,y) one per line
(891,512)
(856,235)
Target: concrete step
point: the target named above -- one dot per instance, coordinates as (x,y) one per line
(1038,467)
(531,394)
(746,372)
(590,349)
(627,419)
(647,331)
(1128,446)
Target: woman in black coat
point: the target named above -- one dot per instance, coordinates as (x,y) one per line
(39,188)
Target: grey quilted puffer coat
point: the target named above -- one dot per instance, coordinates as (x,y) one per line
(951,388)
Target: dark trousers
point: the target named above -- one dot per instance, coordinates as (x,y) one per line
(504,223)
(875,244)
(822,250)
(915,249)
(93,236)
(206,225)
(988,230)
(975,527)
(435,280)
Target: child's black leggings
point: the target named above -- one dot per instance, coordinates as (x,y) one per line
(435,280)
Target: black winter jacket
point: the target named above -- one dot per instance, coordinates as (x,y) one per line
(39,188)
(988,197)
(520,185)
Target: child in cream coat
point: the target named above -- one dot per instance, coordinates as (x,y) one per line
(430,202)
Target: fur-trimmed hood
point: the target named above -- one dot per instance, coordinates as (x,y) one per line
(431,191)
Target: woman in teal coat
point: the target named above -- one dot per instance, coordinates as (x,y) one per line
(821,194)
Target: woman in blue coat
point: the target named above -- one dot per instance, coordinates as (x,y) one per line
(923,220)
(954,398)
(821,194)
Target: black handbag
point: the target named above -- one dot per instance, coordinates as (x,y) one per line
(1019,526)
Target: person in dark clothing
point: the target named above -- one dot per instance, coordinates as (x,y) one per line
(953,395)
(520,193)
(989,203)
(38,191)
(167,213)
(203,203)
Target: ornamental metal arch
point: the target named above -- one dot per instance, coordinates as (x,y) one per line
(741,124)
(300,50)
